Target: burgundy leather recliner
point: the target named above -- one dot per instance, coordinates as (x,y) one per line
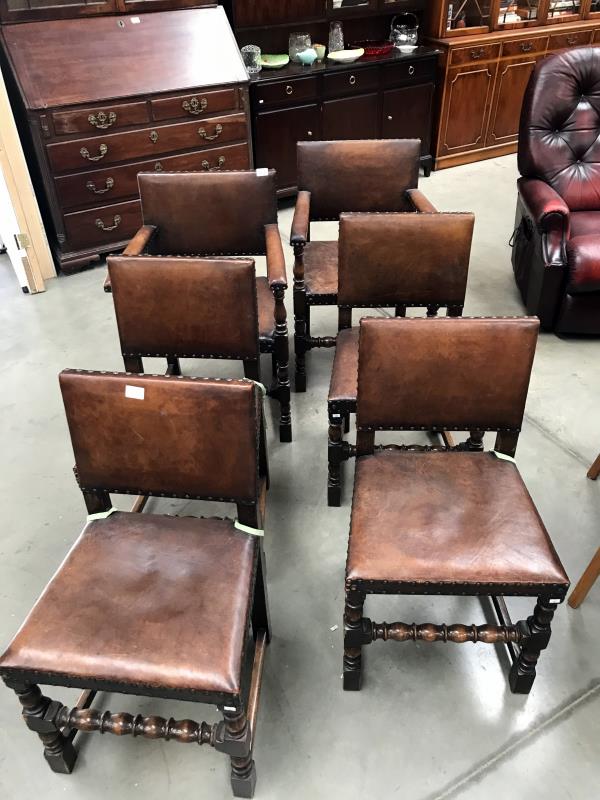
(556,243)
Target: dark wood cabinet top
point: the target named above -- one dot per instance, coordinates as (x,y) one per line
(65,62)
(329,67)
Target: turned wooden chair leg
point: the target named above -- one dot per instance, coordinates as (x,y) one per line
(282,353)
(39,712)
(300,319)
(173,366)
(523,672)
(586,581)
(243,770)
(353,613)
(594,470)
(334,459)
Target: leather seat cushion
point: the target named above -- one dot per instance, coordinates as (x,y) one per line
(585,223)
(146,600)
(447,518)
(266,309)
(344,375)
(321,269)
(583,258)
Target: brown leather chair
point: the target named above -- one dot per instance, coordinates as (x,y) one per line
(556,243)
(180,307)
(146,604)
(222,214)
(447,522)
(389,260)
(333,177)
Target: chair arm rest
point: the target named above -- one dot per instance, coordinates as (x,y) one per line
(550,214)
(420,202)
(301,221)
(276,273)
(136,247)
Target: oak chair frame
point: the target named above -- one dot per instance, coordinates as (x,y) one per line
(339,411)
(303,301)
(57,725)
(524,639)
(143,243)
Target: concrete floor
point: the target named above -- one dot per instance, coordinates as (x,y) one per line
(432,721)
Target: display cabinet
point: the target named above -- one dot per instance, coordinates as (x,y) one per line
(390,96)
(489,49)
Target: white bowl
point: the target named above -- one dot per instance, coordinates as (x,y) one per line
(346,56)
(407,48)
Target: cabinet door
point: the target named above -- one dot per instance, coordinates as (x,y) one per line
(511,83)
(466,109)
(407,114)
(351,118)
(22,10)
(276,134)
(252,13)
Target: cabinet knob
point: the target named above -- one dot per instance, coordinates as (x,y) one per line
(352,80)
(411,70)
(390,117)
(289,89)
(309,133)
(261,102)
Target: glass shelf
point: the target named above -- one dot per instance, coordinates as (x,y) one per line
(462,14)
(515,13)
(557,9)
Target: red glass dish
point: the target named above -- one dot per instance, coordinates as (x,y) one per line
(374,47)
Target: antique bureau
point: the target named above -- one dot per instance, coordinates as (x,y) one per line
(103,98)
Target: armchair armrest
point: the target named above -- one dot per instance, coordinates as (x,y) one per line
(301,221)
(136,247)
(550,214)
(275,258)
(420,202)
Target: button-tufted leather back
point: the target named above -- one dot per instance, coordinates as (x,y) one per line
(559,138)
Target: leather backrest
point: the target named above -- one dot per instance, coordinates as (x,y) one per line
(459,374)
(188,307)
(413,259)
(208,213)
(159,435)
(370,175)
(559,138)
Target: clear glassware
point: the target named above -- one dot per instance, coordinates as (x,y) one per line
(298,42)
(251,55)
(336,37)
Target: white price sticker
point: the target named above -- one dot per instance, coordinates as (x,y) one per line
(134,392)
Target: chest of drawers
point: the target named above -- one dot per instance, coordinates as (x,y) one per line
(168,92)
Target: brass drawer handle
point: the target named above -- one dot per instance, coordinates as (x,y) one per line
(411,70)
(158,167)
(108,185)
(195,106)
(101,120)
(289,89)
(114,226)
(154,137)
(477,53)
(220,164)
(571,40)
(526,46)
(102,151)
(352,80)
(204,135)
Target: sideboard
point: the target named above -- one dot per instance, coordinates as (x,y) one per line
(171,94)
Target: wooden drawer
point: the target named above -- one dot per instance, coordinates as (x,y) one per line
(292,91)
(357,82)
(573,39)
(99,118)
(103,185)
(406,72)
(195,105)
(474,53)
(149,142)
(523,47)
(101,227)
